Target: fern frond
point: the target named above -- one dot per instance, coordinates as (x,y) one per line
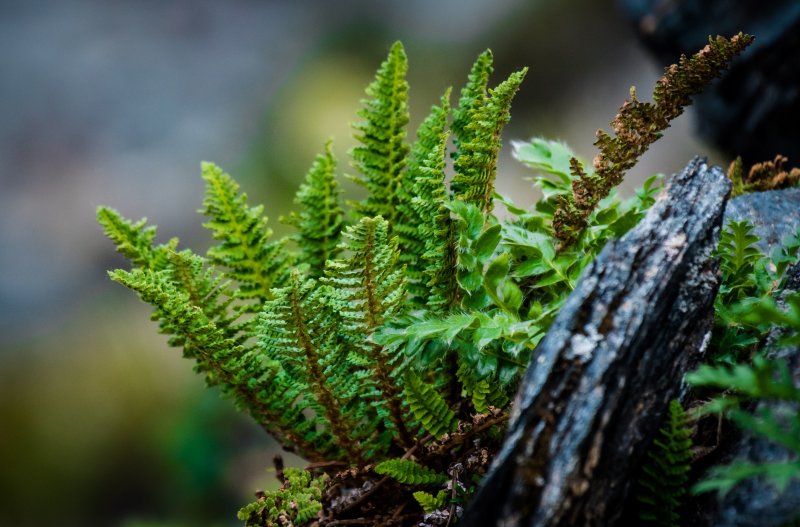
(368,289)
(637,125)
(429,502)
(666,471)
(259,387)
(254,261)
(428,407)
(476,165)
(483,392)
(409,472)
(472,97)
(319,222)
(424,229)
(296,329)
(381,157)
(135,240)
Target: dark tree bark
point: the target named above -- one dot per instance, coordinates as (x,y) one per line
(601,380)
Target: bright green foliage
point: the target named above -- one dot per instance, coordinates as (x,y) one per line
(367,289)
(409,472)
(666,471)
(472,97)
(381,157)
(320,220)
(135,240)
(476,164)
(764,380)
(428,407)
(262,388)
(256,263)
(424,228)
(362,343)
(748,276)
(298,330)
(429,502)
(297,502)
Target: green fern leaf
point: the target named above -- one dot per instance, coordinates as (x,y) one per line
(409,472)
(428,407)
(666,471)
(381,157)
(424,229)
(429,502)
(260,387)
(476,165)
(135,240)
(366,290)
(320,221)
(472,97)
(256,263)
(298,330)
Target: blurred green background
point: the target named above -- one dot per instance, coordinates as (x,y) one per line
(116,103)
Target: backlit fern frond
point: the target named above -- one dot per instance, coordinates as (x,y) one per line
(409,472)
(637,125)
(254,261)
(368,289)
(381,157)
(135,240)
(428,407)
(476,165)
(666,471)
(424,229)
(319,222)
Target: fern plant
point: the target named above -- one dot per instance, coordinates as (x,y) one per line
(666,471)
(383,343)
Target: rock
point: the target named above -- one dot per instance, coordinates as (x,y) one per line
(754,502)
(602,377)
(775,214)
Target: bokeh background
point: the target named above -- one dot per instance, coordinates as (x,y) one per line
(116,103)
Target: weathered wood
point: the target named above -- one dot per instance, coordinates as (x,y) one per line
(601,379)
(755,502)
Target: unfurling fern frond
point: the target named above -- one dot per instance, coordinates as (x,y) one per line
(297,502)
(476,165)
(254,261)
(428,407)
(381,157)
(320,220)
(409,472)
(637,125)
(666,471)
(135,240)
